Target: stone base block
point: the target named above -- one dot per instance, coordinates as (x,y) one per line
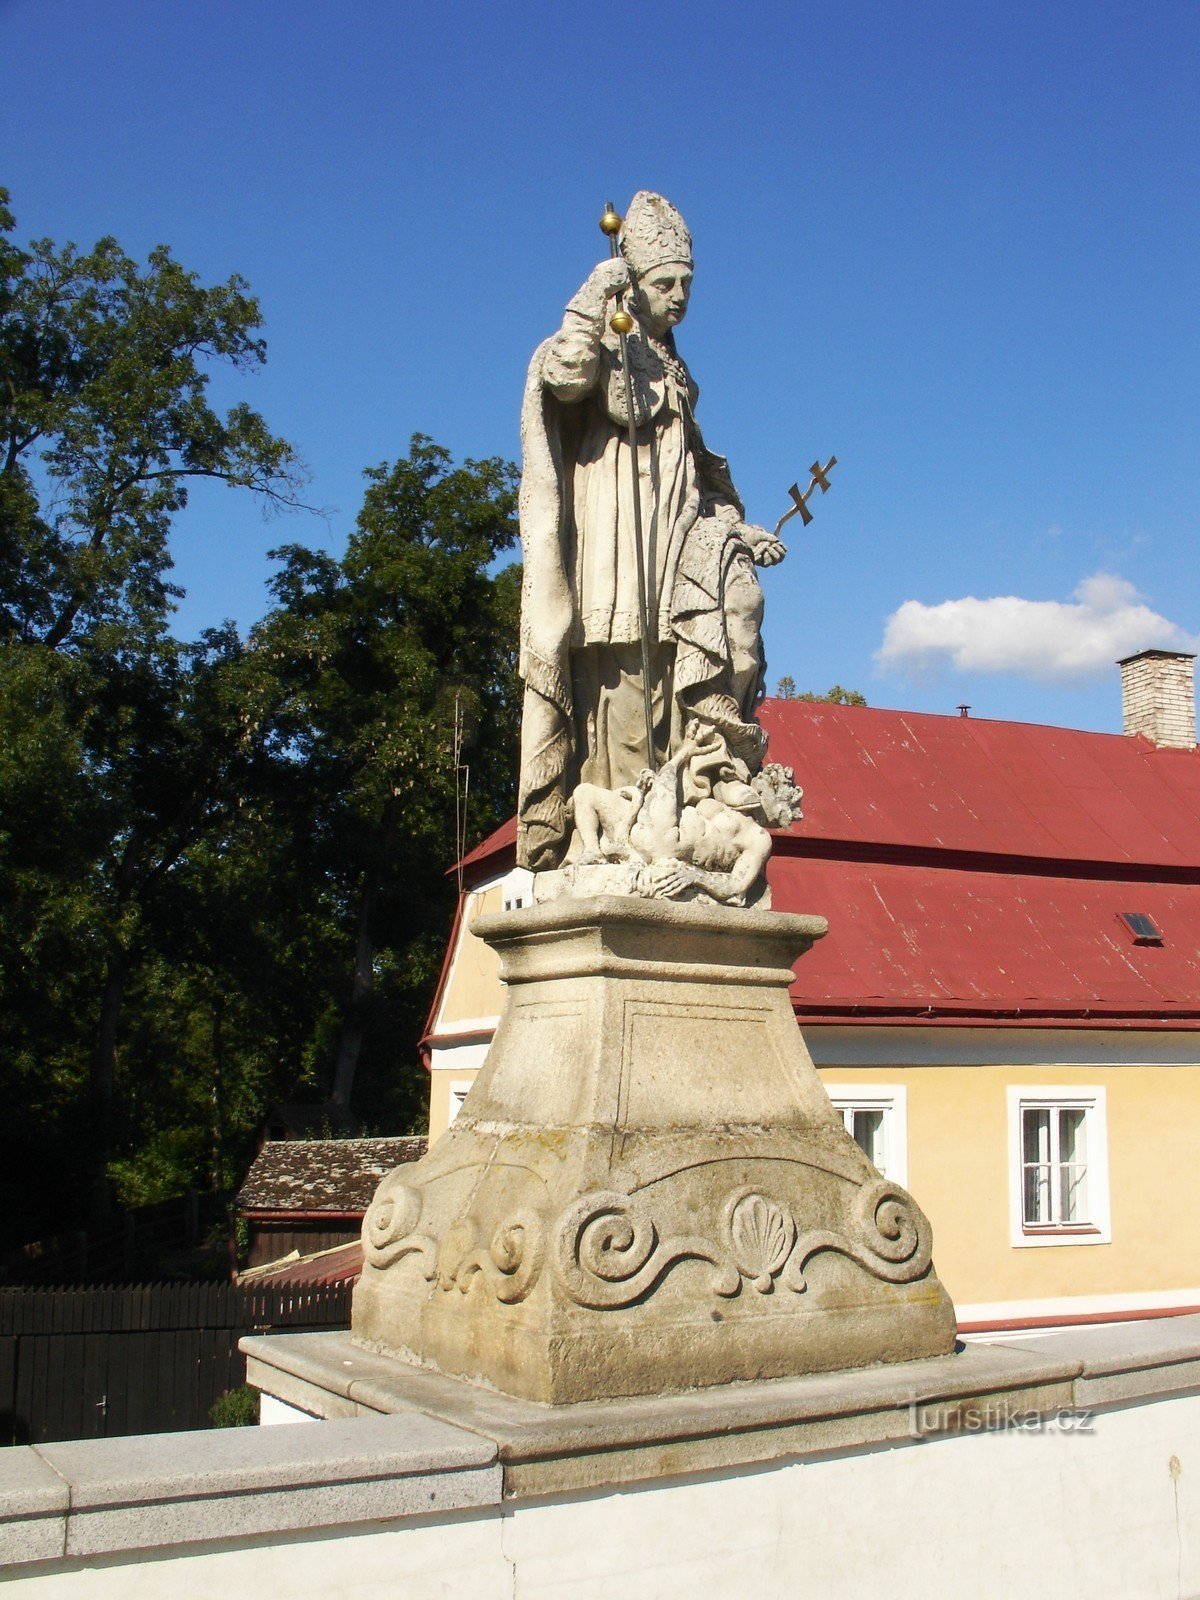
(647,1189)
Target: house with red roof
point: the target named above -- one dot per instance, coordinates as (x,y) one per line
(1006,1008)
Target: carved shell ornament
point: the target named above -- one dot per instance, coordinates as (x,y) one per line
(761,1235)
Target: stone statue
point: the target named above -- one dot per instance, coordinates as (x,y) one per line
(584,735)
(647,1190)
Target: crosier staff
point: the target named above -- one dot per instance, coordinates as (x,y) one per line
(621,324)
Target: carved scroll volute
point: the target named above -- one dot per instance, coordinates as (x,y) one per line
(891,1238)
(895,1230)
(607,1252)
(388,1232)
(508,1266)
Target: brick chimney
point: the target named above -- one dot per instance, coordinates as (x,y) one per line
(1158,697)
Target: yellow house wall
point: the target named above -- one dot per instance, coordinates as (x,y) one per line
(958,1170)
(473,990)
(439,1102)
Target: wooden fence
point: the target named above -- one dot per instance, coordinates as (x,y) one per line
(91,1363)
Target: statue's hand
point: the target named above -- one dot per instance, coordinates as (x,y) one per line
(765,549)
(605,281)
(670,878)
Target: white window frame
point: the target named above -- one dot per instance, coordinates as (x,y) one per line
(1092,1101)
(458,1092)
(516,889)
(892,1100)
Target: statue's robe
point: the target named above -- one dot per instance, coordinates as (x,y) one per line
(584,710)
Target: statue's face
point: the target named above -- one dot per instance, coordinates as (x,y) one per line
(663,295)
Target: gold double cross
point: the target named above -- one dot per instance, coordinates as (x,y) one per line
(819,480)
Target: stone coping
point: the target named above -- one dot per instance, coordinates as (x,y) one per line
(556,1449)
(551,1449)
(408,1443)
(93,1497)
(558,916)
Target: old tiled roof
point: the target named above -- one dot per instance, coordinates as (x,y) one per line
(336,1176)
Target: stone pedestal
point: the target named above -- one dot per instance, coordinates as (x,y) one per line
(647,1189)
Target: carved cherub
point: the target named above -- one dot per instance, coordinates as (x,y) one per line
(723,853)
(603,818)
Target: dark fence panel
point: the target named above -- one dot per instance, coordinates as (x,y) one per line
(91,1362)
(271,1242)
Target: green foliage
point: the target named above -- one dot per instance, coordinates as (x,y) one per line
(786,689)
(222,861)
(236,1408)
(103,380)
(378,659)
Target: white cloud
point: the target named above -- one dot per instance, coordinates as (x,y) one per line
(1050,640)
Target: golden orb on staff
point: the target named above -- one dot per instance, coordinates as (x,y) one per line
(611,224)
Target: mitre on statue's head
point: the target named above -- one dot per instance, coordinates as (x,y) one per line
(653,233)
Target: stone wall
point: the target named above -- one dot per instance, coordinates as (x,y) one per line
(1084,1483)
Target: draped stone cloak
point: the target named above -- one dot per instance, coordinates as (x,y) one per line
(580,585)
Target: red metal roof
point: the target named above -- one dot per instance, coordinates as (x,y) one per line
(496,853)
(908,779)
(342,1264)
(968,945)
(975,871)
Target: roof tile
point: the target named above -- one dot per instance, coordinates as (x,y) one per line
(314,1175)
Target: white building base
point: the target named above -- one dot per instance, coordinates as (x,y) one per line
(1092,1491)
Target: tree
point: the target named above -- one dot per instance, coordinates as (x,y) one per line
(116,770)
(380,658)
(50,968)
(222,863)
(785,689)
(104,420)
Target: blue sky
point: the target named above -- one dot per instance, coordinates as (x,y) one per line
(955,244)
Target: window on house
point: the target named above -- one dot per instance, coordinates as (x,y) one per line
(865,1126)
(458,1093)
(516,889)
(1060,1178)
(876,1118)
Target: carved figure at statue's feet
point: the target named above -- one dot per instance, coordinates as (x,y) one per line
(694,830)
(603,818)
(722,856)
